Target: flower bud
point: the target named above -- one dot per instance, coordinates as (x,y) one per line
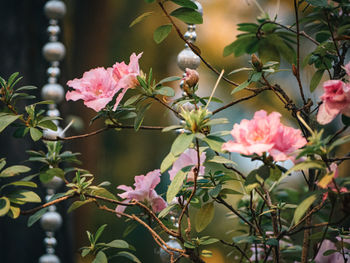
(257,63)
(191,78)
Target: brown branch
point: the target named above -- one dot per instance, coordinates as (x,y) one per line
(236,247)
(81,136)
(56,201)
(193,47)
(297,73)
(184,209)
(168,107)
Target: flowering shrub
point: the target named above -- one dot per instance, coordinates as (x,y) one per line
(277,221)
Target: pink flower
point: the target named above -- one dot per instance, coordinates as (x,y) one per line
(96,88)
(191,78)
(254,136)
(286,142)
(187,158)
(336,99)
(126,75)
(143,192)
(347,68)
(336,257)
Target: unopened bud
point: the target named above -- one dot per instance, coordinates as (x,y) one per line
(256,63)
(191,78)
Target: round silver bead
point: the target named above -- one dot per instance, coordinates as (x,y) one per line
(49,258)
(56,182)
(164,256)
(55,9)
(54,51)
(53,29)
(53,113)
(53,91)
(191,36)
(51,221)
(188,59)
(53,72)
(50,241)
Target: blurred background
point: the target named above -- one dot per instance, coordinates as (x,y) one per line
(97,33)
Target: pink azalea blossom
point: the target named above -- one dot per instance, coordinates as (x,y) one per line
(191,78)
(287,141)
(96,88)
(143,192)
(187,158)
(126,75)
(336,99)
(256,135)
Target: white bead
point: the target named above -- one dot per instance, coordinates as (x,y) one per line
(55,9)
(51,221)
(56,182)
(188,59)
(53,71)
(50,241)
(54,51)
(53,91)
(49,258)
(53,113)
(53,30)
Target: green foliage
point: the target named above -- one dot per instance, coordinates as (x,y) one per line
(187,15)
(161,33)
(303,207)
(97,249)
(204,216)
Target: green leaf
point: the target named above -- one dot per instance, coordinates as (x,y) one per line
(303,207)
(316,78)
(100,258)
(216,191)
(240,87)
(161,33)
(267,51)
(46,176)
(167,162)
(168,79)
(132,99)
(185,3)
(187,15)
(35,217)
(204,216)
(209,241)
(172,127)
(217,121)
(215,143)
(26,88)
(176,184)
(14,170)
(4,205)
(140,18)
(181,143)
(35,134)
(99,232)
(6,119)
(14,212)
(78,204)
(129,256)
(306,165)
(141,115)
(206,253)
(330,252)
(47,125)
(340,141)
(165,91)
(2,163)
(220,159)
(25,196)
(12,78)
(20,183)
(85,252)
(166,210)
(319,3)
(118,244)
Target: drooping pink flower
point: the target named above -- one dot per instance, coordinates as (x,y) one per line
(96,88)
(126,75)
(187,158)
(254,136)
(336,99)
(347,68)
(286,142)
(143,192)
(191,78)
